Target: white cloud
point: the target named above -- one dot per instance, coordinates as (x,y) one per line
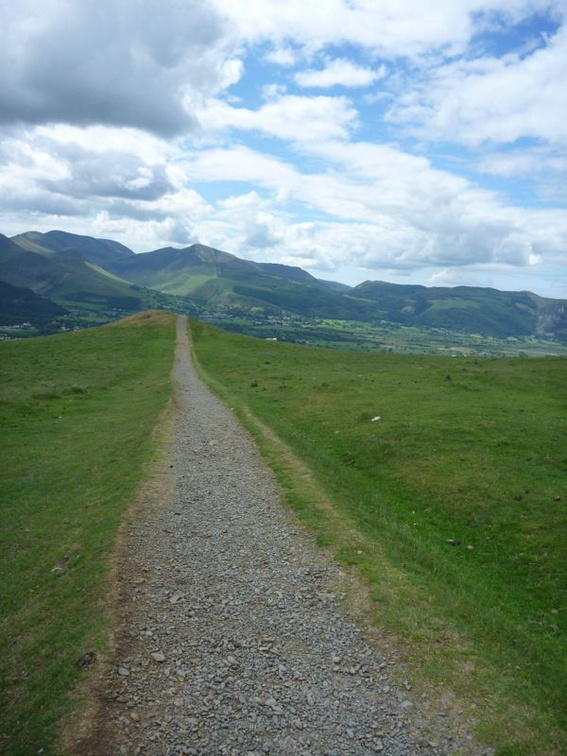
(385,208)
(340,72)
(389,28)
(290,117)
(282,56)
(497,100)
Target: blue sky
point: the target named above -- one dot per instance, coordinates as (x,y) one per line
(360,139)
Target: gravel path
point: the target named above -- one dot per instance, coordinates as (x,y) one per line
(234,640)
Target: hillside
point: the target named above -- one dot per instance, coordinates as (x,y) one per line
(72,273)
(19,305)
(80,272)
(467,308)
(101,252)
(59,272)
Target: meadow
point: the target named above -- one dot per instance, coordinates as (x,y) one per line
(442,481)
(78,412)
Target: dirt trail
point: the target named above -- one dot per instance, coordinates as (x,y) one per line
(231,638)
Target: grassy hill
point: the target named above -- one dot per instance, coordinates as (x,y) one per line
(465,308)
(21,304)
(77,413)
(443,483)
(102,252)
(59,273)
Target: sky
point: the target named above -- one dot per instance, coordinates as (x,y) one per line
(391,140)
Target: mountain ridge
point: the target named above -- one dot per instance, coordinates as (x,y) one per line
(71,268)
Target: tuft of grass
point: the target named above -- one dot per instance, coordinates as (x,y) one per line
(447,494)
(77,413)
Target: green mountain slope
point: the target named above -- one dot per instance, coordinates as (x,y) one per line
(102,252)
(18,305)
(90,292)
(212,277)
(182,271)
(81,269)
(467,308)
(60,275)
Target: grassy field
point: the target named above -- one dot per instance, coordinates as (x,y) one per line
(381,337)
(447,477)
(77,415)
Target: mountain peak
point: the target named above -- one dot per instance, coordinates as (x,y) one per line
(210,254)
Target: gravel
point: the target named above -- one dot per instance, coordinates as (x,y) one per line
(233,638)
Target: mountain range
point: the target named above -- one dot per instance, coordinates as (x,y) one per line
(46,276)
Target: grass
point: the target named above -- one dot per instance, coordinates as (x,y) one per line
(380,337)
(416,452)
(77,412)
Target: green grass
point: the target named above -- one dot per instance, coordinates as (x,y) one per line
(465,448)
(381,337)
(77,413)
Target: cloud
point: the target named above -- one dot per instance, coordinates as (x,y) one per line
(282,56)
(389,28)
(379,208)
(118,121)
(261,236)
(112,62)
(340,72)
(289,117)
(63,177)
(113,174)
(493,100)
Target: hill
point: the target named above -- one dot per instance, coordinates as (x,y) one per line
(59,272)
(100,252)
(72,273)
(19,305)
(101,276)
(468,308)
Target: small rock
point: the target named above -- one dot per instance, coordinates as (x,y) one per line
(158,656)
(123,672)
(86,659)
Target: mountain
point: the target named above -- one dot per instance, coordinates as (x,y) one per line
(211,277)
(183,271)
(460,308)
(19,305)
(82,271)
(101,252)
(57,272)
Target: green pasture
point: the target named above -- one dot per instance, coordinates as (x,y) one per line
(77,414)
(449,477)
